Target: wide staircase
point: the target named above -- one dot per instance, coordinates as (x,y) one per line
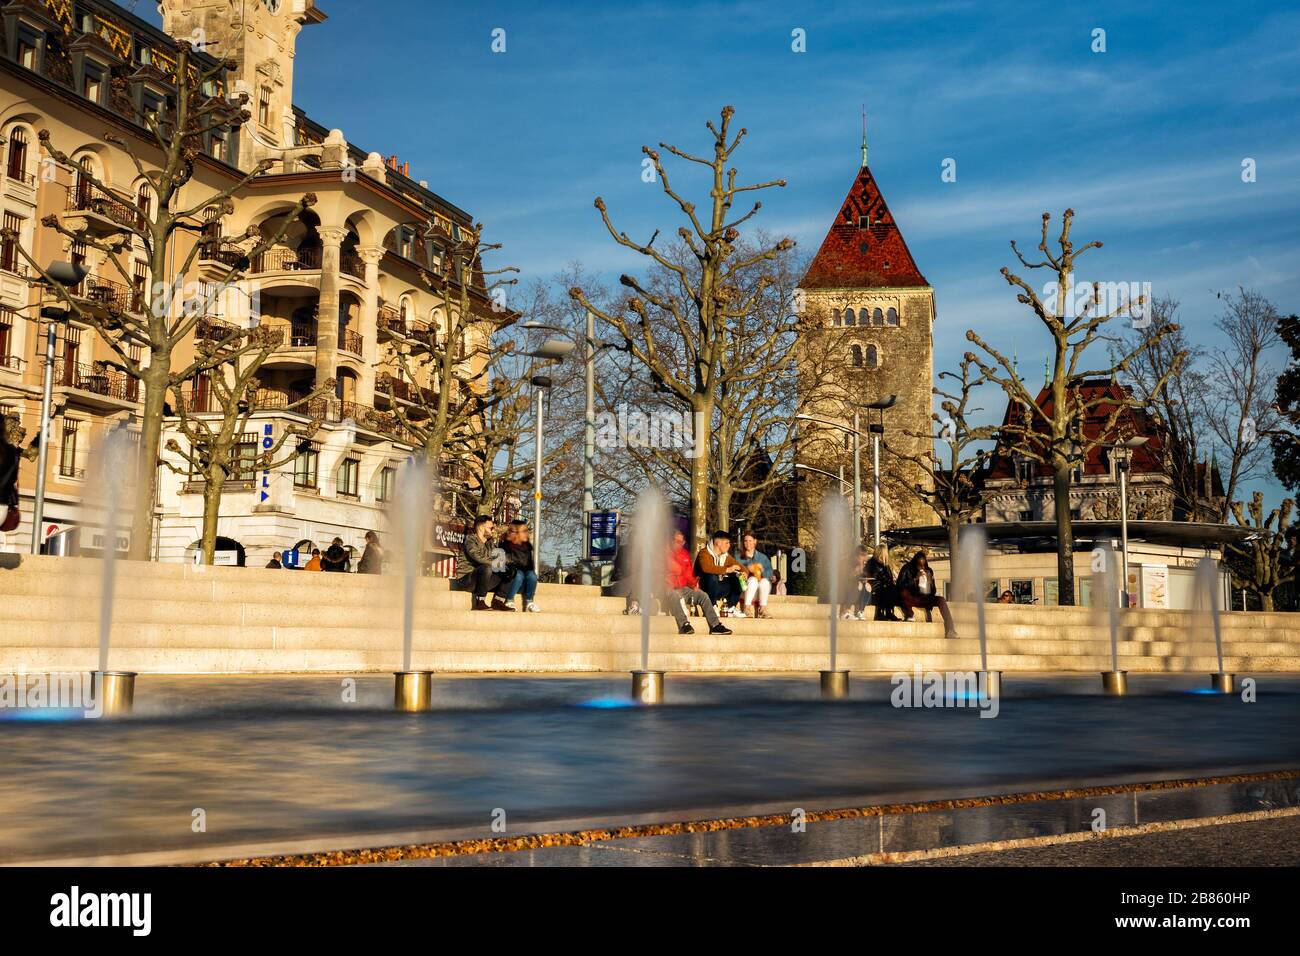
(178,619)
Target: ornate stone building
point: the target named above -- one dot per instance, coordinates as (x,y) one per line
(868,314)
(344,282)
(1017,488)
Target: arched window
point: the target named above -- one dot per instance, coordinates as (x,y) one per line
(873,357)
(891,317)
(835,318)
(849,317)
(17,167)
(85,188)
(877,317)
(855,356)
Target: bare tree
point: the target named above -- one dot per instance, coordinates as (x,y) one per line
(215,422)
(1177,404)
(1238,398)
(166,159)
(1267,561)
(1052,433)
(459,358)
(952,459)
(706,300)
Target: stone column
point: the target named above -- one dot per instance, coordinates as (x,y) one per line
(369,325)
(327,314)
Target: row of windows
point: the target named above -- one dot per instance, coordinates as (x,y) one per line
(865,316)
(347,477)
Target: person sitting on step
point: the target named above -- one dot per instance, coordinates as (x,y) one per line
(719,572)
(682,587)
(521,567)
(917,587)
(758,586)
(475,571)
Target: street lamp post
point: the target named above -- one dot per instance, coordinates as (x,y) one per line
(877,429)
(67,274)
(1123,460)
(856,433)
(551,351)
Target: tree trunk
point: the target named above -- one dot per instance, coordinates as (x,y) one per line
(1266,600)
(722,506)
(211,512)
(700,477)
(1064,536)
(954,527)
(155,379)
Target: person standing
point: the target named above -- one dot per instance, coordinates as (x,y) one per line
(11,438)
(521,567)
(758,586)
(314,563)
(372,559)
(336,558)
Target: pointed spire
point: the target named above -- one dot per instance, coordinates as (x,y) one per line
(864,134)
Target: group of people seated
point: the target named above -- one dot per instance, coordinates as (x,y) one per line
(718,581)
(913,589)
(504,568)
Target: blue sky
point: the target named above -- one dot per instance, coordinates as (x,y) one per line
(1145,140)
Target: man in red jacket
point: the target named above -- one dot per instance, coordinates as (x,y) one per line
(683,587)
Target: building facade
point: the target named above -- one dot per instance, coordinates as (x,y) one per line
(868,315)
(342,285)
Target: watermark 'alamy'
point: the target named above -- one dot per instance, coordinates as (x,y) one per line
(661,428)
(948,689)
(68,691)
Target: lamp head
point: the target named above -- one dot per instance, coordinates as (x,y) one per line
(67,273)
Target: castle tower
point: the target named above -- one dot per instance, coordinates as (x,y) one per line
(261,37)
(868,313)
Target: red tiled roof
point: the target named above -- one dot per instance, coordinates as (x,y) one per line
(864,248)
(1133,422)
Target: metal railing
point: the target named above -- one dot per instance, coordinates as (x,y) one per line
(112,294)
(85,197)
(353,265)
(302,335)
(350,341)
(22,176)
(11,362)
(96,379)
(288,260)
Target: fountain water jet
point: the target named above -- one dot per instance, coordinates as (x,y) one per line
(1105,599)
(832,570)
(968,586)
(1207,613)
(412,690)
(111,466)
(649,562)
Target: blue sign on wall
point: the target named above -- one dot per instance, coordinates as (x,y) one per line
(602,535)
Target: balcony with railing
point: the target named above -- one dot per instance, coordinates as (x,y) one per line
(330,411)
(288,260)
(218,331)
(113,296)
(96,379)
(88,198)
(350,341)
(353,265)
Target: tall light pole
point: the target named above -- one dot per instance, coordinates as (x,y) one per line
(590,348)
(540,384)
(856,433)
(67,274)
(1123,459)
(877,429)
(551,351)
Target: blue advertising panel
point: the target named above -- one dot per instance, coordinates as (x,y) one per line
(602,535)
